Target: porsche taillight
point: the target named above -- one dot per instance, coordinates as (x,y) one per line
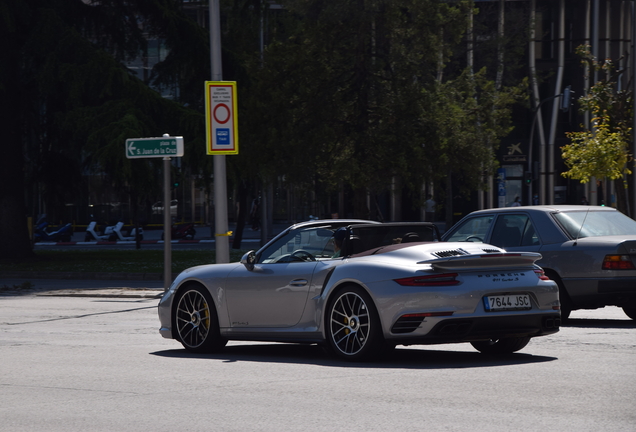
(541,274)
(445,279)
(618,262)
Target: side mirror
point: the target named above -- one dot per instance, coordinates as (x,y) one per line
(248,260)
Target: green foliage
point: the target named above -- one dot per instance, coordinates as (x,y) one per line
(598,153)
(345,93)
(602,151)
(73,102)
(346,90)
(470,117)
(112,261)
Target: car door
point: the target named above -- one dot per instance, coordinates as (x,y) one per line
(274,292)
(515,232)
(269,295)
(472,229)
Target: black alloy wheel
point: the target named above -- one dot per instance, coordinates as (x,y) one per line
(196,322)
(353,326)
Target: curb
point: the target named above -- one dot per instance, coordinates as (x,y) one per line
(142,293)
(131,242)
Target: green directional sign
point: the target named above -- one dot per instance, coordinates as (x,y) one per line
(154,147)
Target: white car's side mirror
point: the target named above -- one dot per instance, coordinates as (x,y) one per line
(248,260)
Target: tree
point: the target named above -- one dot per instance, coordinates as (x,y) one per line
(603,150)
(70,103)
(347,85)
(470,117)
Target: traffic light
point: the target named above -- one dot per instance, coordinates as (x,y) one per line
(175,184)
(565,98)
(527,177)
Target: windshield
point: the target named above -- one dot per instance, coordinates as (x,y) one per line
(315,242)
(595,223)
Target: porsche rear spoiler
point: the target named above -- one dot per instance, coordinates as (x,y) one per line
(485,261)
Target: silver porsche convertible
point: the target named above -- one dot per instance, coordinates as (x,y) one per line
(361,288)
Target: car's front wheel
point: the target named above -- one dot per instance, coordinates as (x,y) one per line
(501,346)
(353,326)
(196,321)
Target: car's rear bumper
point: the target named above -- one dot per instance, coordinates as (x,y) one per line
(483,328)
(599,292)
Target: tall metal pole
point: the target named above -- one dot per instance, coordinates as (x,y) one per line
(634,111)
(537,116)
(220,188)
(167,226)
(555,107)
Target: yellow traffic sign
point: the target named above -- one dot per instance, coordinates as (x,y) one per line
(221,117)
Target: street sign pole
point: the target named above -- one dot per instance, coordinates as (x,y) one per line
(163,147)
(220,189)
(167,227)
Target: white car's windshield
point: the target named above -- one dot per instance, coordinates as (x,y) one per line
(579,224)
(300,242)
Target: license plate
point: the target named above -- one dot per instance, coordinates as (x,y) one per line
(508,302)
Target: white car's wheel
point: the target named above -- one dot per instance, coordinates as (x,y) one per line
(353,327)
(501,346)
(196,322)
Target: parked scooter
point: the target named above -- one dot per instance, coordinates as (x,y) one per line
(62,234)
(92,233)
(182,231)
(111,233)
(131,235)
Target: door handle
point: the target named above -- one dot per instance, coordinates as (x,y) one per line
(298,282)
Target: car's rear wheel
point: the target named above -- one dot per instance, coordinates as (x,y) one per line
(353,326)
(501,346)
(630,312)
(196,322)
(564,297)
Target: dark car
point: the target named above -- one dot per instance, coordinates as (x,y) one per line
(588,250)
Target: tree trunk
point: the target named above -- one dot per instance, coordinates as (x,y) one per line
(14,233)
(448,204)
(622,202)
(240,218)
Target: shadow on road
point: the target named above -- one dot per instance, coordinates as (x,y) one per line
(599,323)
(398,359)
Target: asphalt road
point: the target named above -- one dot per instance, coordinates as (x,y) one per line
(99,364)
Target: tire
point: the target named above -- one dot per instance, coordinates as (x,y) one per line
(352,325)
(564,297)
(195,321)
(501,346)
(630,311)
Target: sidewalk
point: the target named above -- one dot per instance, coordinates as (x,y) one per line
(204,235)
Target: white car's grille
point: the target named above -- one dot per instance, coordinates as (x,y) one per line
(450,253)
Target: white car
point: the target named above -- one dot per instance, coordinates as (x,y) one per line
(390,284)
